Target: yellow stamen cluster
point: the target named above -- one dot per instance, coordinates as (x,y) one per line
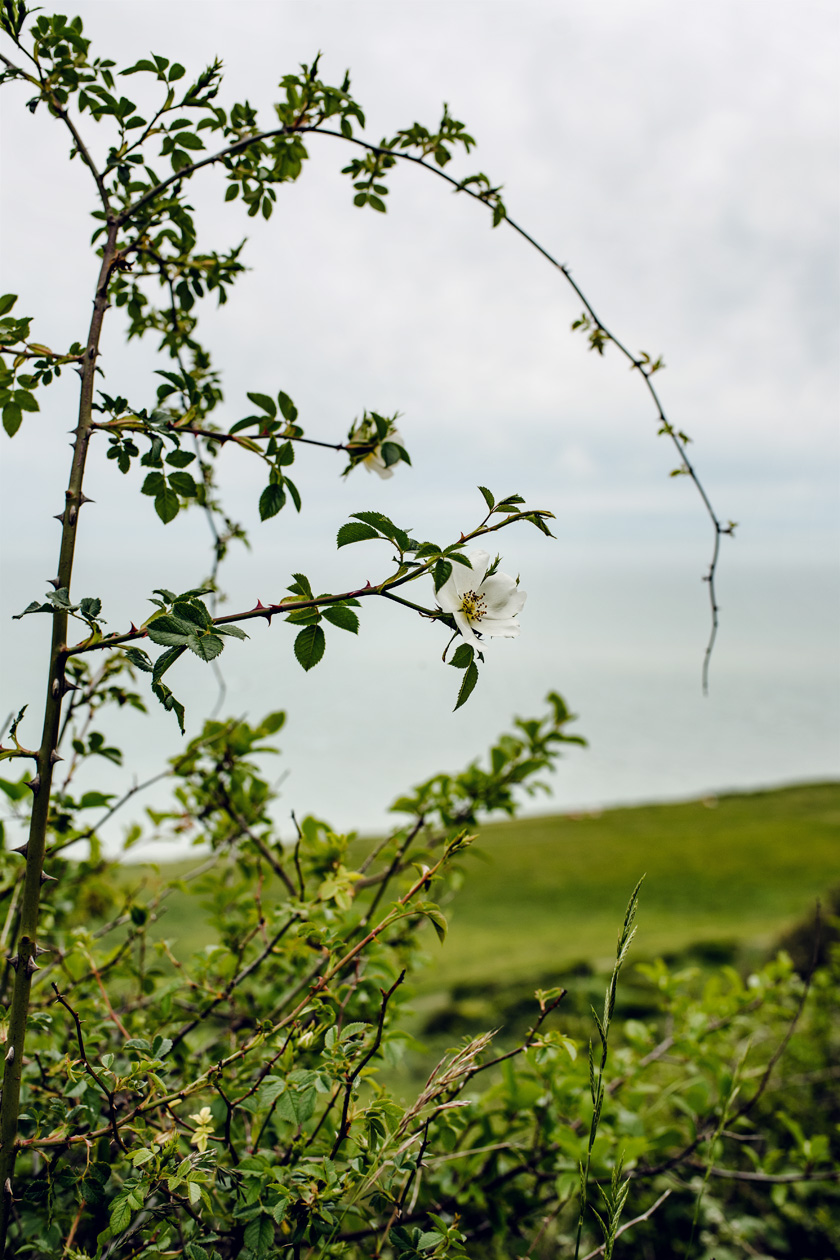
(474,605)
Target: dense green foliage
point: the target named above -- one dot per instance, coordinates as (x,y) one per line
(227,1100)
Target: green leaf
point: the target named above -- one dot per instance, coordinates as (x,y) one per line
(168,701)
(259,1236)
(437,920)
(342,616)
(179,160)
(488,498)
(33,608)
(183,484)
(462,657)
(195,613)
(140,65)
(293,491)
(271,501)
(26,401)
(206,646)
(89,607)
(309,646)
(304,617)
(272,723)
(180,459)
(301,586)
(188,140)
(355,531)
(7,301)
(264,403)
(286,455)
(297,1103)
(164,661)
(139,659)
(120,1215)
(235,632)
(169,630)
(12,418)
(154,483)
(378,520)
(167,505)
(441,572)
(287,407)
(467,686)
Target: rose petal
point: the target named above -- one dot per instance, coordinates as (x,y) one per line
(502,595)
(463,623)
(500,627)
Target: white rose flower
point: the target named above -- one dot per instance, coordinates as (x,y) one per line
(485,606)
(375,463)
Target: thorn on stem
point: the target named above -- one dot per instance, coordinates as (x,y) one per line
(10,1058)
(31,966)
(22,849)
(13,960)
(7,1186)
(54,757)
(55,582)
(35,784)
(48,879)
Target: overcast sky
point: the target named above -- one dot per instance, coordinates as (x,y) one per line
(683,160)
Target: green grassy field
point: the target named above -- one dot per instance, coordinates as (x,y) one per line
(542,894)
(737,869)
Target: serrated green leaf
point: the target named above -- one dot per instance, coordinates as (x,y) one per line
(271,501)
(139,659)
(183,484)
(188,140)
(378,520)
(12,418)
(169,630)
(120,1215)
(309,646)
(167,505)
(287,408)
(441,573)
(488,498)
(353,532)
(259,1236)
(304,617)
(205,646)
(467,686)
(463,655)
(265,403)
(7,301)
(235,632)
(195,613)
(341,616)
(169,702)
(164,661)
(294,492)
(34,607)
(26,401)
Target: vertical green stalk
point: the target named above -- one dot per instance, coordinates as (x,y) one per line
(597,1089)
(24,960)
